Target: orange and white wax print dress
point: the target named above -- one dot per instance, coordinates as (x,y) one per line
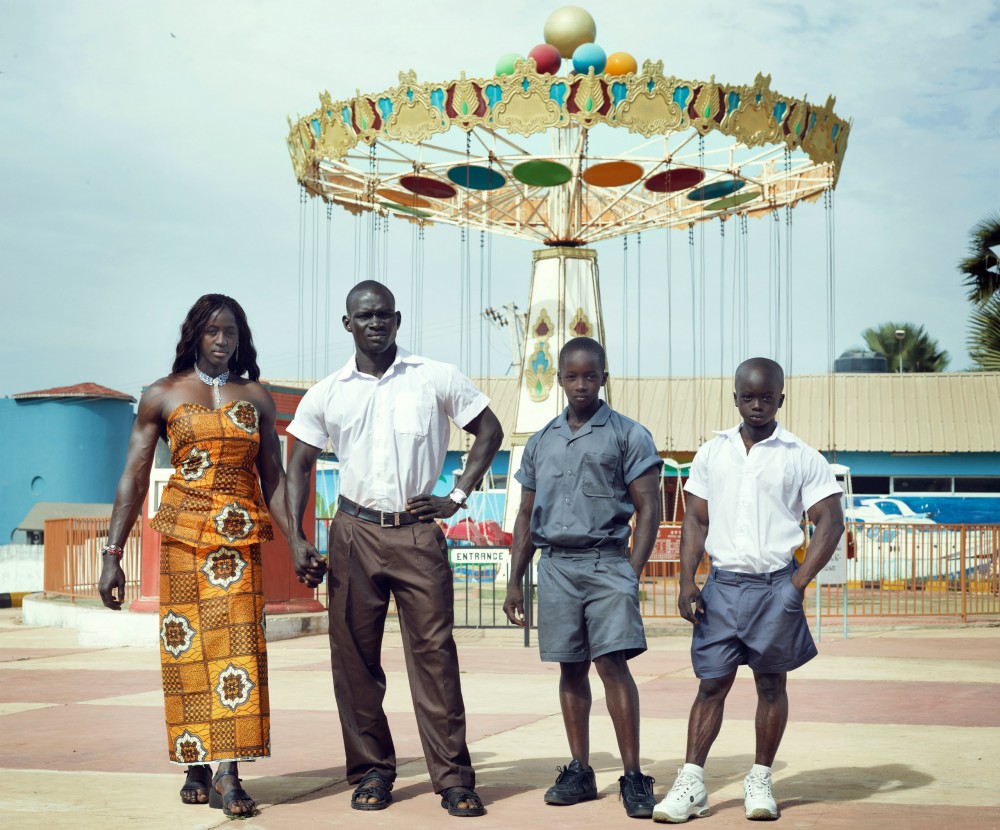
(212,651)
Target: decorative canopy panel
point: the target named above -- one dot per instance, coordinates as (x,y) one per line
(535,156)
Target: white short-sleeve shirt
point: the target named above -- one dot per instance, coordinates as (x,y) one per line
(756,499)
(390,434)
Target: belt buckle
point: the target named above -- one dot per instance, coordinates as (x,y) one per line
(381,519)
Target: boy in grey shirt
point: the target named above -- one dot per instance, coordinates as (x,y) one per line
(582,478)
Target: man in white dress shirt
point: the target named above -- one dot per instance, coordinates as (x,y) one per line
(386,416)
(747,491)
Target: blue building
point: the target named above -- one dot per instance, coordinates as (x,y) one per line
(60,445)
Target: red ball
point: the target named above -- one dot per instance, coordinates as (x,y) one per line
(547,58)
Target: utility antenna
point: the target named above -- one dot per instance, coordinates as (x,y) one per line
(515,322)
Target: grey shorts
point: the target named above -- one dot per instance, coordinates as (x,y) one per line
(752,619)
(588,606)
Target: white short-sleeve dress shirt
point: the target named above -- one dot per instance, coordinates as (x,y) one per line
(756,499)
(390,434)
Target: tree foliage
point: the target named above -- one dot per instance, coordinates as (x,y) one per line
(921,352)
(984,335)
(981,270)
(981,267)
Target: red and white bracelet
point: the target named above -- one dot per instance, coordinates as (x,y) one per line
(114,550)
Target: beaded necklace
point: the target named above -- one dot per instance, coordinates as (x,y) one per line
(215,383)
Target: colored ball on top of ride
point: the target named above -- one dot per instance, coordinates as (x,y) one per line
(505,63)
(589,56)
(620,63)
(568,27)
(547,58)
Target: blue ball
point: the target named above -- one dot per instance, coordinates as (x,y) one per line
(588,55)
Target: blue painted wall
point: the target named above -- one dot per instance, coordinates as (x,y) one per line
(59,450)
(891,464)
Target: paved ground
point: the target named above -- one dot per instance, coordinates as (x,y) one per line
(891,728)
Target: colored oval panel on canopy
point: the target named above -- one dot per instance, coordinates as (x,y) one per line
(613,174)
(670,181)
(733,201)
(475,177)
(401,197)
(426,186)
(542,173)
(715,190)
(404,209)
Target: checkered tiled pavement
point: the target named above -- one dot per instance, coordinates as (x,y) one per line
(891,728)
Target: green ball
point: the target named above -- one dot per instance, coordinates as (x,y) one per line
(505,63)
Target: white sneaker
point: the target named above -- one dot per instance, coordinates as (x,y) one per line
(758,802)
(688,797)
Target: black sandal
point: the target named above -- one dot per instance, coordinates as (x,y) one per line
(218,800)
(453,796)
(373,785)
(198,782)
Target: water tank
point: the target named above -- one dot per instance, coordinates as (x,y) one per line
(861,361)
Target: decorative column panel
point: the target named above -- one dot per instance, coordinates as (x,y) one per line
(564,302)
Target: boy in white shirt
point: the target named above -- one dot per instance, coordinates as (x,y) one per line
(754,482)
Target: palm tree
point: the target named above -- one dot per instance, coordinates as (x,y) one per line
(920,352)
(984,335)
(982,266)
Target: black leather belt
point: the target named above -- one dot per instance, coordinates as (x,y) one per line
(378,517)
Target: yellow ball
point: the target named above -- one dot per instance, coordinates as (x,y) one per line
(620,63)
(568,27)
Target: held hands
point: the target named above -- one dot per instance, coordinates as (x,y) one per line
(427,507)
(513,605)
(309,566)
(689,602)
(111,585)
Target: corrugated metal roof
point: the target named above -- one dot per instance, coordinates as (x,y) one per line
(35,520)
(916,413)
(77,390)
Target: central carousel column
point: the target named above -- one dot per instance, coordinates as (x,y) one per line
(564,302)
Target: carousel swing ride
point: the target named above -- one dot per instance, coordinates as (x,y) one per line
(566,159)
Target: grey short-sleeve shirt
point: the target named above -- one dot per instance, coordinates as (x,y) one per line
(581,480)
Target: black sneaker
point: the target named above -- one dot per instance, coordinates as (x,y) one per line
(637,793)
(573,784)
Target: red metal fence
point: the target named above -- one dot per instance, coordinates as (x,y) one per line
(897,570)
(73,557)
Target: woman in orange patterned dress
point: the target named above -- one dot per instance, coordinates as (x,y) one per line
(212,518)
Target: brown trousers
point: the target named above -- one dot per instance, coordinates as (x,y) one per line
(366,563)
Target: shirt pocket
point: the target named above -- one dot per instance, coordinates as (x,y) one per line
(597,475)
(411,414)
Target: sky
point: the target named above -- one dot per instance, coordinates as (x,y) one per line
(143,164)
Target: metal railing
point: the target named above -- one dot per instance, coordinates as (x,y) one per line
(73,558)
(897,570)
(918,570)
(893,570)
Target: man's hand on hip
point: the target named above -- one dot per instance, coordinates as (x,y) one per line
(427,507)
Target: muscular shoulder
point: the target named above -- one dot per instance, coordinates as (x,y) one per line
(252,391)
(538,440)
(436,371)
(629,428)
(160,398)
